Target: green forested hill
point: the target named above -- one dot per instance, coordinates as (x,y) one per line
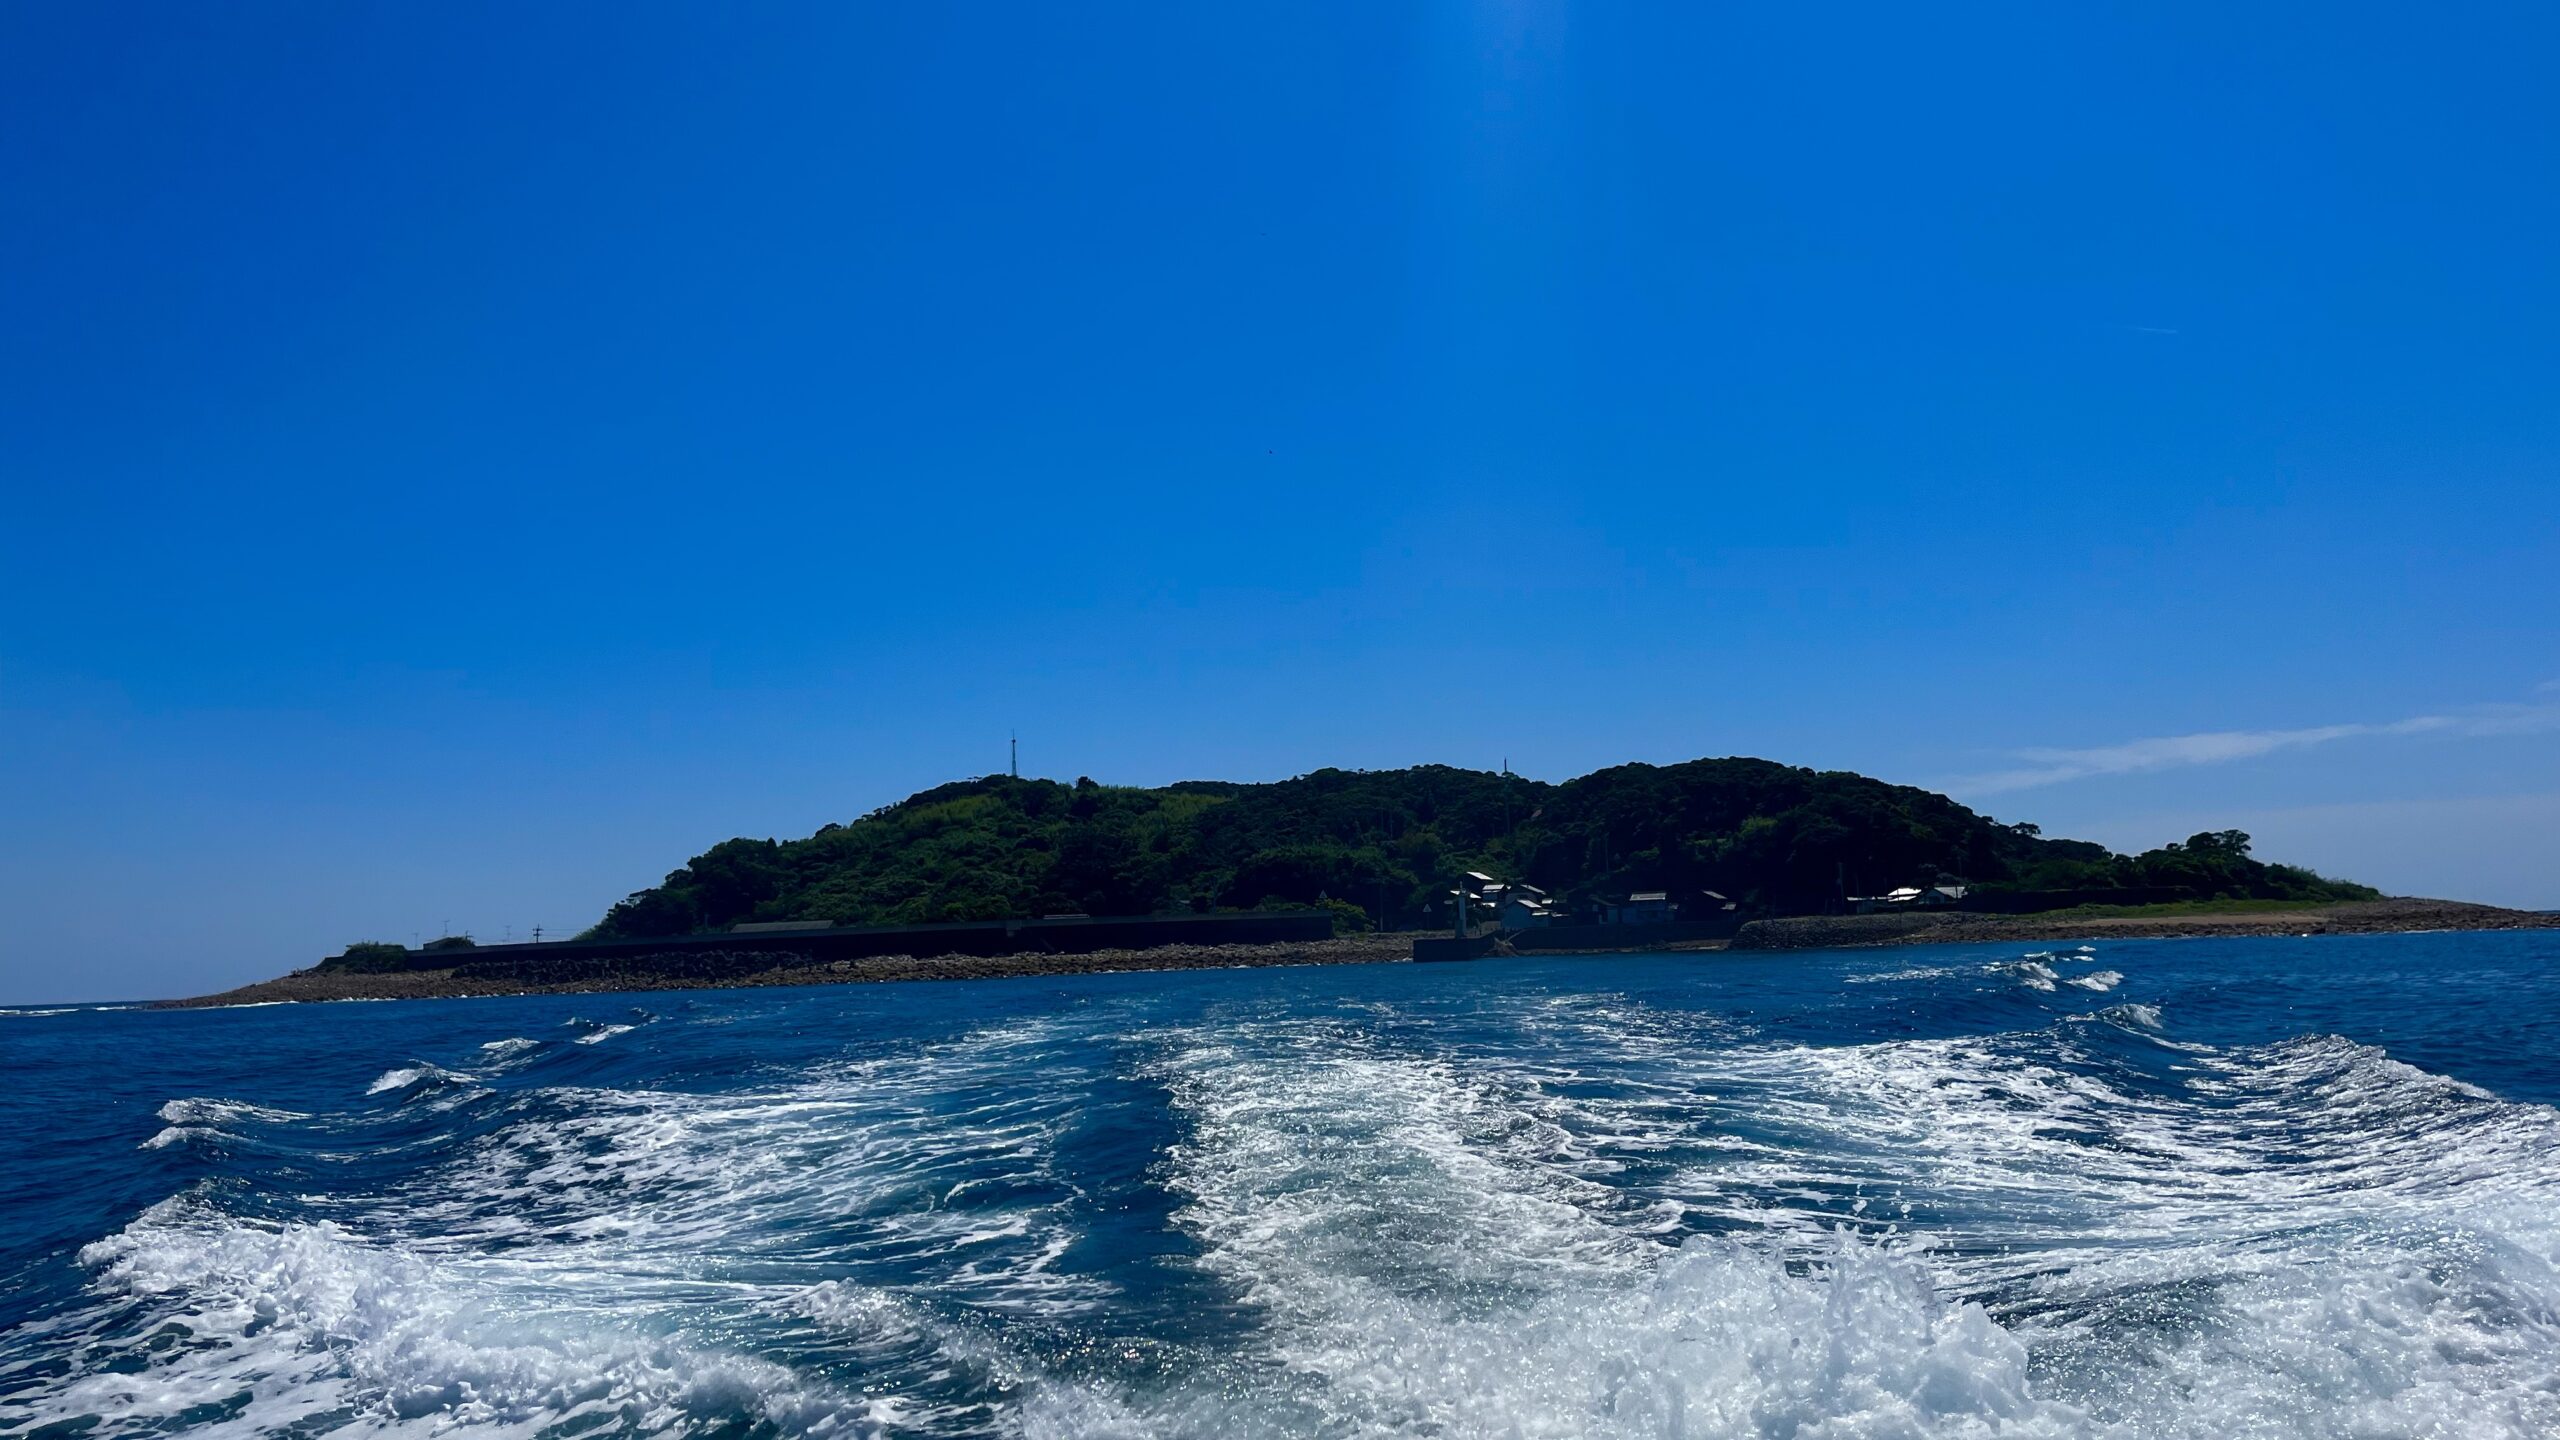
(1777,838)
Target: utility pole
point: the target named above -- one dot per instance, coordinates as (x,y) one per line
(1014,764)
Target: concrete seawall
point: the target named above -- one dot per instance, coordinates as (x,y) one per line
(1612,938)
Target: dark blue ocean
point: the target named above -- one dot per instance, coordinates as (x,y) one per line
(2267,1188)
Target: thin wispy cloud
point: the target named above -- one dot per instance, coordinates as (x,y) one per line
(2217,747)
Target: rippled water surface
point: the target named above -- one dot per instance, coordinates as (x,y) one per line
(2203,1188)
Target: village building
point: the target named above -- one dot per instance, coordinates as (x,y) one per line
(1525,912)
(1910,897)
(1645,907)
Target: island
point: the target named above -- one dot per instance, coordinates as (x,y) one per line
(1005,876)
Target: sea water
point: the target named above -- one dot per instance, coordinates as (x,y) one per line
(2206,1188)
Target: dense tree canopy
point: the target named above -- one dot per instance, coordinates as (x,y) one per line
(1778,839)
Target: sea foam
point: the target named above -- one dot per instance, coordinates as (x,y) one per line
(1483,1208)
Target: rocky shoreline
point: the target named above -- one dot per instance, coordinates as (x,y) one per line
(2361,917)
(683,971)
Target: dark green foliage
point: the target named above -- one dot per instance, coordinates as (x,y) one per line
(450,942)
(2215,865)
(1348,919)
(372,955)
(1778,839)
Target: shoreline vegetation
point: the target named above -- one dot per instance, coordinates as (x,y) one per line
(1812,932)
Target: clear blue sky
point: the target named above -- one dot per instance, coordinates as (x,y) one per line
(461,460)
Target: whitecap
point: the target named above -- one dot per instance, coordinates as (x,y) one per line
(308,1323)
(2032,974)
(658,1180)
(1425,1250)
(207,1110)
(1916,972)
(2140,1017)
(410,1076)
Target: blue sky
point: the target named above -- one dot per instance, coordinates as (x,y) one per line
(462,460)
